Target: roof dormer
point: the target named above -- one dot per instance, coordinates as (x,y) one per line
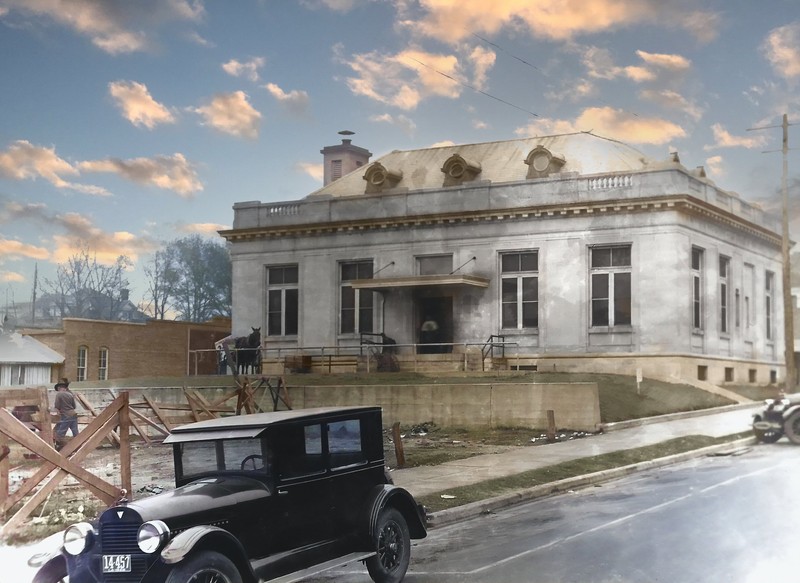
(380,178)
(457,169)
(541,162)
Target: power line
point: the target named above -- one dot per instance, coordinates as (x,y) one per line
(498,47)
(473,88)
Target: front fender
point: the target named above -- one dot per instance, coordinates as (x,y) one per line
(393,496)
(179,547)
(53,570)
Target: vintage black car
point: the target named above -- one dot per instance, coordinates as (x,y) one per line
(261,497)
(779,417)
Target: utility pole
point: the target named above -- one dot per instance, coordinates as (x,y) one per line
(788,309)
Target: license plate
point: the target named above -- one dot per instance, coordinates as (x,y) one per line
(116,563)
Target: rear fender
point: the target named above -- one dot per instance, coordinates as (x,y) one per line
(52,571)
(387,495)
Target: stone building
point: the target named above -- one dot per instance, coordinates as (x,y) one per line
(576,251)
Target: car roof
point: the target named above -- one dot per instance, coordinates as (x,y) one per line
(243,426)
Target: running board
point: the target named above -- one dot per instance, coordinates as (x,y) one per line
(316,569)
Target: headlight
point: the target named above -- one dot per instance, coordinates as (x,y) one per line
(151,535)
(769,402)
(77,538)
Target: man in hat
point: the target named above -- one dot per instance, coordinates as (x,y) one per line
(65,405)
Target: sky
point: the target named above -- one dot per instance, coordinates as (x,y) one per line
(125,125)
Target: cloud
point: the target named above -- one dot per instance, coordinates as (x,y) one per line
(11,276)
(314,170)
(442,144)
(403,79)
(572,91)
(24,161)
(454,20)
(208,229)
(600,65)
(231,113)
(114,27)
(335,5)
(673,100)
(13,249)
(723,139)
(404,123)
(611,123)
(137,105)
(168,172)
(72,232)
(665,61)
(782,49)
(295,102)
(248,69)
(714,165)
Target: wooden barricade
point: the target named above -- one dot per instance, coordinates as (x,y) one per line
(67,461)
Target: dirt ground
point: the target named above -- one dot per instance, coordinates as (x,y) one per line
(152,468)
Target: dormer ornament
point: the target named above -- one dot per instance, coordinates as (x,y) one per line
(457,170)
(541,162)
(380,178)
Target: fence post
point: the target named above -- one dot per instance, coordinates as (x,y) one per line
(398,445)
(551,425)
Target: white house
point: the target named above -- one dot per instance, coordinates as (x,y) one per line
(577,251)
(26,361)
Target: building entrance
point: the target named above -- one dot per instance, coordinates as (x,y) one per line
(434,317)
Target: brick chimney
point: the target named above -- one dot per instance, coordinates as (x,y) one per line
(342,159)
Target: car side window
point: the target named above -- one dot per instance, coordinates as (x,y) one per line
(299,451)
(344,443)
(244,454)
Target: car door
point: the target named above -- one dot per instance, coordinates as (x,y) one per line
(302,498)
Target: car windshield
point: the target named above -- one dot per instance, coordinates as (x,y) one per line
(204,457)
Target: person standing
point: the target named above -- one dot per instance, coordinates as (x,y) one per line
(68,416)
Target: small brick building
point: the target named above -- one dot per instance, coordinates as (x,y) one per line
(104,350)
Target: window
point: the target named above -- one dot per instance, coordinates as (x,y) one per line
(300,451)
(748,283)
(102,365)
(724,296)
(728,374)
(697,288)
(611,286)
(519,290)
(768,303)
(702,372)
(82,352)
(435,265)
(344,443)
(751,375)
(356,304)
(17,374)
(282,300)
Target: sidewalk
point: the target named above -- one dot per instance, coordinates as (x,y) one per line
(431,479)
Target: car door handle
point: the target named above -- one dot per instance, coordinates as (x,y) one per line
(283,492)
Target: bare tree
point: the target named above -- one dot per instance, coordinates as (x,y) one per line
(192,277)
(85,288)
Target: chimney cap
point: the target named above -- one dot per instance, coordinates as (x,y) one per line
(346,133)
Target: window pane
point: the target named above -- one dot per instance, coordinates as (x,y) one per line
(344,437)
(290,274)
(509,290)
(529,262)
(599,312)
(291,314)
(275,275)
(509,262)
(348,298)
(601,257)
(530,289)
(365,270)
(697,260)
(509,315)
(622,299)
(349,271)
(365,320)
(621,257)
(437,265)
(530,315)
(599,285)
(348,321)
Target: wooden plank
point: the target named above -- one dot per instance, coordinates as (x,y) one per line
(142,433)
(4,467)
(125,447)
(203,403)
(80,446)
(192,405)
(45,426)
(159,414)
(150,422)
(113,438)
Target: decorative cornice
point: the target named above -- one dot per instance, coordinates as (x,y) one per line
(682,203)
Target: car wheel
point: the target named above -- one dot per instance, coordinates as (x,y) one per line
(392,546)
(205,567)
(792,427)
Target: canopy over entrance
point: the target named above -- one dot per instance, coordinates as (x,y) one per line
(418,281)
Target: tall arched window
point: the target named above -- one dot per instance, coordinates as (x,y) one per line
(82,352)
(102,365)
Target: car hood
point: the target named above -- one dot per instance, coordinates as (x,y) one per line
(202,496)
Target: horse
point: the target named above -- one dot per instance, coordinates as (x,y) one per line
(248,352)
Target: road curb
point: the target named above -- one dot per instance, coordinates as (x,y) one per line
(482,507)
(606,427)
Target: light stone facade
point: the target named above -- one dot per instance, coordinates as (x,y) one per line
(581,253)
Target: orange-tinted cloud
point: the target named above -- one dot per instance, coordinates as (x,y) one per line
(168,172)
(295,101)
(782,50)
(137,105)
(724,139)
(248,69)
(314,170)
(13,249)
(232,114)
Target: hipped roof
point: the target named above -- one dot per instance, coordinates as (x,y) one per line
(18,349)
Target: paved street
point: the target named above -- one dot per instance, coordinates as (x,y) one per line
(722,518)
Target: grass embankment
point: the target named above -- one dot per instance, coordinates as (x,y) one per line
(579,467)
